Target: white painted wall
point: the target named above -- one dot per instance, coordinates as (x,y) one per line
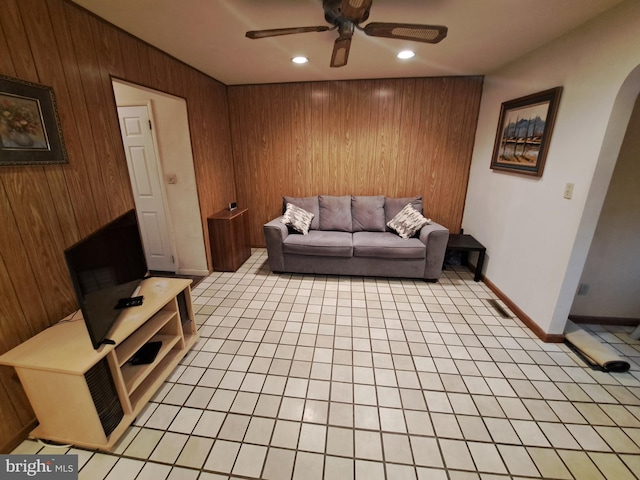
(536,240)
(612,269)
(174,144)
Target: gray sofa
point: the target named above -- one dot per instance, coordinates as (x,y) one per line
(349,236)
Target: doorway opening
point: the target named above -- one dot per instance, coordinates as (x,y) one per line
(171,142)
(608,288)
(617,127)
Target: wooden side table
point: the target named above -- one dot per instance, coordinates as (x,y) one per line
(229,239)
(465,244)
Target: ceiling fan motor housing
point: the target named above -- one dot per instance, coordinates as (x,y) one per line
(333,13)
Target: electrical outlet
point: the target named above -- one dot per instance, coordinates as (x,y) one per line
(568,191)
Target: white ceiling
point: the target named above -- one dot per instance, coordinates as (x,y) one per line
(210,35)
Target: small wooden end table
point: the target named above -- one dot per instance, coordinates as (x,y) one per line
(465,244)
(229,239)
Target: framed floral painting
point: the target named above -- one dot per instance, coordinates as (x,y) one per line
(30,131)
(524,133)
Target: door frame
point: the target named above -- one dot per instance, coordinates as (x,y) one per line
(173,143)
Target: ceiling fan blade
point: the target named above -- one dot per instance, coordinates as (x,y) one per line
(274,32)
(340,53)
(355,10)
(407,31)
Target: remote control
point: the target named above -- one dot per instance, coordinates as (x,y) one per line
(129,302)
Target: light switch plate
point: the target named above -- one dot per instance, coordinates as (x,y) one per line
(568,191)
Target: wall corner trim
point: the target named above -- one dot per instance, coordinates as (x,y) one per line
(526,319)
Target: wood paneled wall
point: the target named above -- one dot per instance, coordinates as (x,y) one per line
(45,209)
(392,137)
(397,137)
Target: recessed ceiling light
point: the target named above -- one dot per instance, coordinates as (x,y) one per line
(406,54)
(300,60)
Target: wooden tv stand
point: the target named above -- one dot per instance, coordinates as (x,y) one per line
(69,383)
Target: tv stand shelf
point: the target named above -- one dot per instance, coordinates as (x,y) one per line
(89,397)
(134,375)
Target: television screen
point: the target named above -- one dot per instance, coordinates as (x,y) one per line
(106,266)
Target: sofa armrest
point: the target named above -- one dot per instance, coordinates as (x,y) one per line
(274,234)
(435,237)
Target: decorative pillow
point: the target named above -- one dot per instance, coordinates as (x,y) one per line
(368,213)
(408,221)
(297,218)
(335,213)
(393,205)
(310,204)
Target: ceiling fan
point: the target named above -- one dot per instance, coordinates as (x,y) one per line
(346,16)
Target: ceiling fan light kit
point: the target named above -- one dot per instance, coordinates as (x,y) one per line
(346,16)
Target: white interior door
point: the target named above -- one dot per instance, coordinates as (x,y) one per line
(145,174)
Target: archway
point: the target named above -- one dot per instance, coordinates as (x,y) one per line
(612,142)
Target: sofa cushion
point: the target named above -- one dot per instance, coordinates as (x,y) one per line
(297,218)
(386,245)
(367,213)
(408,221)
(319,243)
(335,213)
(310,204)
(392,206)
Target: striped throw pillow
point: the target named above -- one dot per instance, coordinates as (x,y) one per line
(297,218)
(408,221)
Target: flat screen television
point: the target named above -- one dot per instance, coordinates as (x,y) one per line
(105,267)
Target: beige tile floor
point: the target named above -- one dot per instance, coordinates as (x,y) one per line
(312,377)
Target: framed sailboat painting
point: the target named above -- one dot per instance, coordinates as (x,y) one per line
(524,132)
